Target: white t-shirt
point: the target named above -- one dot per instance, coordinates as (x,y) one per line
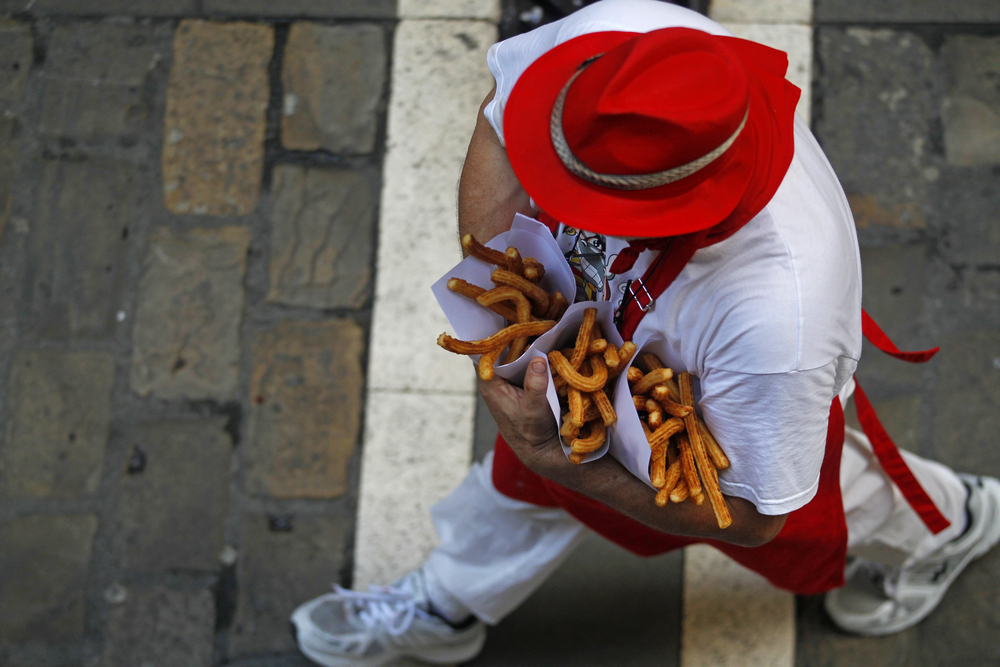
(769,320)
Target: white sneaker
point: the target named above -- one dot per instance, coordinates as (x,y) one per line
(367,629)
(879,601)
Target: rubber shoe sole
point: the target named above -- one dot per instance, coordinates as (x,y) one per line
(311,643)
(439,656)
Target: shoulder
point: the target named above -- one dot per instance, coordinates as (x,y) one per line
(783,294)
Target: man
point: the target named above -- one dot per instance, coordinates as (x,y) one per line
(726,234)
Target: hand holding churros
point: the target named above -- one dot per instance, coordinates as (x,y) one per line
(529,310)
(685,458)
(580,375)
(682,459)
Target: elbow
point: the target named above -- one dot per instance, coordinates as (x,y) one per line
(756,529)
(762,532)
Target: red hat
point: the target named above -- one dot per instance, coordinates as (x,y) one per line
(652,134)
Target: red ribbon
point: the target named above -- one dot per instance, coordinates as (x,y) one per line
(894,465)
(877,337)
(626,258)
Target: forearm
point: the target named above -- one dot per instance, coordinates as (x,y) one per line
(489,193)
(610,483)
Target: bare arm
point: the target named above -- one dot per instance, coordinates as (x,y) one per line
(527,425)
(488,194)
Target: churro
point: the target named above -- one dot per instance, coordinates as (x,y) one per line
(514,263)
(692,472)
(476,249)
(504,336)
(596,380)
(539,298)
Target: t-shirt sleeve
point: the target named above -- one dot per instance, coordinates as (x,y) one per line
(773,429)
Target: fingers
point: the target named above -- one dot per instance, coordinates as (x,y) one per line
(536,379)
(523,415)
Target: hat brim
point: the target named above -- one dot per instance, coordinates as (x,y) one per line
(694,203)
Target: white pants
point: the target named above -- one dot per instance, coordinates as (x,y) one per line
(496,551)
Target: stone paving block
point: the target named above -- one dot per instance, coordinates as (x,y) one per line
(213,141)
(613,608)
(171,512)
(450,9)
(162,627)
(57,428)
(911,11)
(877,116)
(305,408)
(7,158)
(818,643)
(971,111)
(15,61)
(186,336)
(76,290)
(94,75)
(109,7)
(895,279)
(44,560)
(761,11)
(278,571)
(978,299)
(968,408)
(318,9)
(321,237)
(964,207)
(333,78)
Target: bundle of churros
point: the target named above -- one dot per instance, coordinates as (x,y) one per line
(529,310)
(685,457)
(581,376)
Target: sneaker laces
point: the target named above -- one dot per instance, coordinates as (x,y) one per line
(393,607)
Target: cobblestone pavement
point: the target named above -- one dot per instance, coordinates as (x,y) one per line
(187,227)
(189,197)
(907,108)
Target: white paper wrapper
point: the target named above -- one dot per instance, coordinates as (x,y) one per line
(630,446)
(470,321)
(564,335)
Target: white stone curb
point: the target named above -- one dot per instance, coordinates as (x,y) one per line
(420,405)
(733,617)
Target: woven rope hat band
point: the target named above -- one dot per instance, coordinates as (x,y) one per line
(625,181)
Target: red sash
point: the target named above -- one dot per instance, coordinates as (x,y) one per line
(808,555)
(885,449)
